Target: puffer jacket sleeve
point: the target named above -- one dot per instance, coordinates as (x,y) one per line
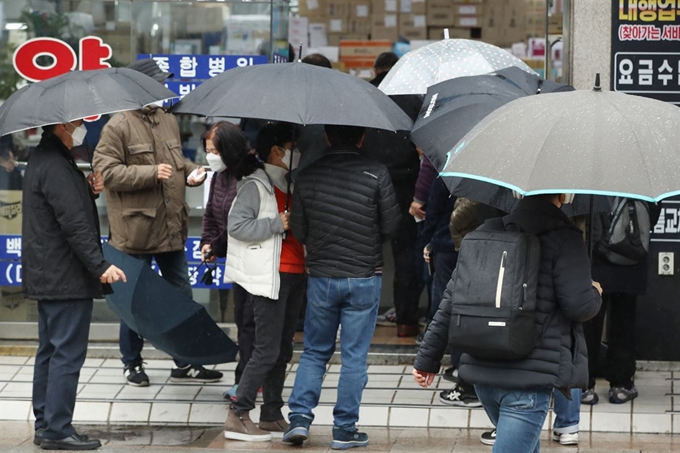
(243,223)
(577,298)
(210,227)
(298,220)
(463,219)
(388,207)
(109,160)
(436,339)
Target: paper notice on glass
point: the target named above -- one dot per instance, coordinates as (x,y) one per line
(317,35)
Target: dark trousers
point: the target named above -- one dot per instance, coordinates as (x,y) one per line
(275,322)
(444,263)
(245,323)
(175,270)
(405,286)
(620,360)
(63,330)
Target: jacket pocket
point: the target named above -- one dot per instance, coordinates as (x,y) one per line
(139,228)
(175,150)
(141,154)
(257,259)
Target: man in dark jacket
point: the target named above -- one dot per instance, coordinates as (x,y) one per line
(345,209)
(63,269)
(516,394)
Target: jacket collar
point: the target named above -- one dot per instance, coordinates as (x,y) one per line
(536,215)
(343,149)
(278,176)
(150,114)
(52,142)
(261,176)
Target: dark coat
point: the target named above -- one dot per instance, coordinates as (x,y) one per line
(426,176)
(222,194)
(440,205)
(624,279)
(565,299)
(344,209)
(62,256)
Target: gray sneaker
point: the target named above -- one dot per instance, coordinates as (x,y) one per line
(589,397)
(620,395)
(387,319)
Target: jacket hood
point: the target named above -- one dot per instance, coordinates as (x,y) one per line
(535,215)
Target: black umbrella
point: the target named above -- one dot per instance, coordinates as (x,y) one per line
(452,108)
(296,93)
(79,94)
(164,316)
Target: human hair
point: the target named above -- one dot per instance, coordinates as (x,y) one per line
(317,59)
(49,128)
(234,149)
(272,134)
(215,131)
(385,61)
(344,135)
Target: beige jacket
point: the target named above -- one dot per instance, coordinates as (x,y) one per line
(146,215)
(463,220)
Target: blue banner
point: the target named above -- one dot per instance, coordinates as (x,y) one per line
(201,67)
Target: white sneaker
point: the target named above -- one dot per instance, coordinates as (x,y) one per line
(565,438)
(387,319)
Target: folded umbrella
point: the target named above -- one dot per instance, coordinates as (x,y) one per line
(165,316)
(79,94)
(444,60)
(296,93)
(452,108)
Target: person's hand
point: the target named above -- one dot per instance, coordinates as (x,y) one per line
(96,181)
(112,275)
(197,177)
(204,251)
(598,287)
(426,253)
(285,219)
(423,378)
(164,171)
(416,210)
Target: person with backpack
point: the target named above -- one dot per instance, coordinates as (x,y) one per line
(514,306)
(620,262)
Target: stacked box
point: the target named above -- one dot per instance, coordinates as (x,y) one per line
(413,26)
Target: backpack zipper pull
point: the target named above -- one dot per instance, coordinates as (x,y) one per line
(524,295)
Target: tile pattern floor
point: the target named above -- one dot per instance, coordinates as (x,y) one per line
(391,400)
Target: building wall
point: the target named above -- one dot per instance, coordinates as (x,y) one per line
(591,42)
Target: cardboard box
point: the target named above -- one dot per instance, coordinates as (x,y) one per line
(384,6)
(412,7)
(556,24)
(361,26)
(334,39)
(336,25)
(437,33)
(440,13)
(413,26)
(362,54)
(473,1)
(384,26)
(492,25)
(360,9)
(467,21)
(339,9)
(313,8)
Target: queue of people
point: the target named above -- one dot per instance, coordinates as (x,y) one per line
(303,230)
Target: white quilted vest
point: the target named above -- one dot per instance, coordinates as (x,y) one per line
(255,265)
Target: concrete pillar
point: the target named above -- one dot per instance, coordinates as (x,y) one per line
(590,50)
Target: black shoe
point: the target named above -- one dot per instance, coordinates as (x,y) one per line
(344,440)
(135,375)
(195,373)
(488,438)
(460,396)
(450,374)
(74,442)
(38,436)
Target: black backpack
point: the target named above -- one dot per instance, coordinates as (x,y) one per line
(494,293)
(623,234)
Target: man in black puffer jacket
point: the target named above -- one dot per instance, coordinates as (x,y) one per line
(516,394)
(344,209)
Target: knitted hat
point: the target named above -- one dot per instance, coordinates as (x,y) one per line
(150,68)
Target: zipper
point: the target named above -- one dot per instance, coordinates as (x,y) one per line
(501,276)
(524,295)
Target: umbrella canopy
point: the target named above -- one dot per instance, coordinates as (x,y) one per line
(296,93)
(444,60)
(79,94)
(587,142)
(164,316)
(452,108)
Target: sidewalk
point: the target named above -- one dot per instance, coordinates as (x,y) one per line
(391,400)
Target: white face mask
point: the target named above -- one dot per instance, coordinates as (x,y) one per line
(215,162)
(569,198)
(296,158)
(78,135)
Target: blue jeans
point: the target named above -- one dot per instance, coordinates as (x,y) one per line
(518,416)
(567,413)
(175,270)
(331,302)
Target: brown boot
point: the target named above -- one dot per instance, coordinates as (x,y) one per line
(240,427)
(405,330)
(277,428)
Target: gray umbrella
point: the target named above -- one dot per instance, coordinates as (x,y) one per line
(79,94)
(296,93)
(584,142)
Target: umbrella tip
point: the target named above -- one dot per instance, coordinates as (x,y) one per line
(446,33)
(597,86)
